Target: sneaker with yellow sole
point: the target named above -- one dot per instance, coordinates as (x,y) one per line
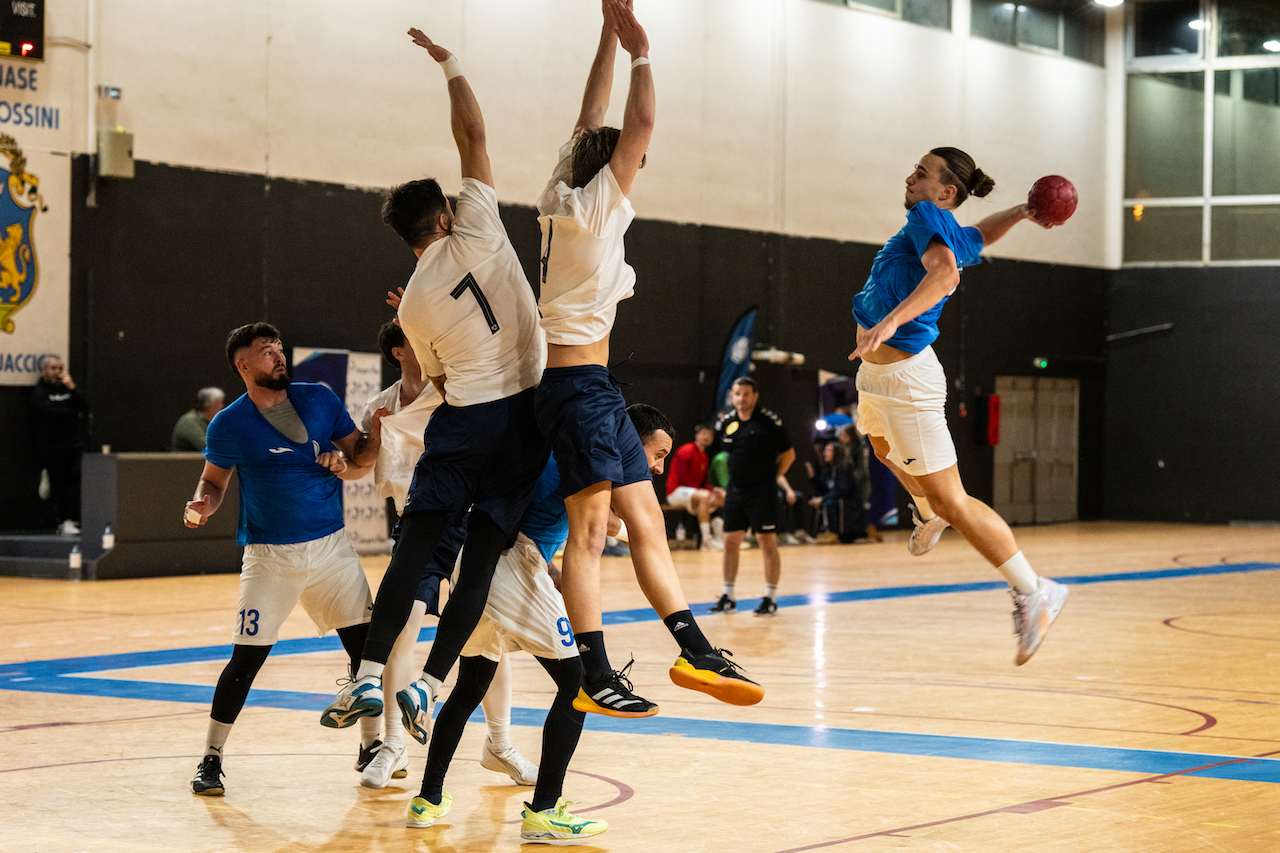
(715,675)
(422,812)
(557,826)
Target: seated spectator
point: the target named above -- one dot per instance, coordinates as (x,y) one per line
(188,432)
(687,487)
(840,495)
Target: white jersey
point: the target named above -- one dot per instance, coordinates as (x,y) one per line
(584,270)
(402,439)
(468,310)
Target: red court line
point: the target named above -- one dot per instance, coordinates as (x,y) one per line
(1018,808)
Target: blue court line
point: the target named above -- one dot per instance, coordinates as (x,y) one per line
(58,676)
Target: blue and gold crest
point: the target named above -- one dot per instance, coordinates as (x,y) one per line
(19,200)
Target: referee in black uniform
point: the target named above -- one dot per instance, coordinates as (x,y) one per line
(760,453)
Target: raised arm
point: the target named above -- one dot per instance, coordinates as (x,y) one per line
(637,120)
(997,225)
(464,112)
(941,277)
(595,99)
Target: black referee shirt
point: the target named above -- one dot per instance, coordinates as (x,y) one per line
(753,447)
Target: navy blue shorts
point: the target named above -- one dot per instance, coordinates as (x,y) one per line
(486,457)
(584,419)
(755,507)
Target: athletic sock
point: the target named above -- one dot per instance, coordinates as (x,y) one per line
(728,589)
(717,527)
(595,660)
(432,682)
(922,507)
(368,667)
(686,632)
(216,738)
(1018,572)
(497,705)
(370,728)
(393,734)
(705,527)
(771,591)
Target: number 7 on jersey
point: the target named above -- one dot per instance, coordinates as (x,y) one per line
(470,283)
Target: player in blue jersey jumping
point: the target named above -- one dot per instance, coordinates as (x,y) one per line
(902,391)
(290,443)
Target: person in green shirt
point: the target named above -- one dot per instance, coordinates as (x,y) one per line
(718,470)
(188,432)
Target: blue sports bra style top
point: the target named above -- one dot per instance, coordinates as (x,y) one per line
(898,270)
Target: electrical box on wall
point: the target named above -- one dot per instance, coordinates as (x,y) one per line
(115,153)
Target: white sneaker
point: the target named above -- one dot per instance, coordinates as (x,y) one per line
(926,533)
(712,545)
(358,698)
(1033,614)
(416,707)
(68,528)
(521,770)
(391,762)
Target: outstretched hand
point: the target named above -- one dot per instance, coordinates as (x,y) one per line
(630,34)
(394,297)
(438,53)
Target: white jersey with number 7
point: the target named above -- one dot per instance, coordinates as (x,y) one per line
(468,309)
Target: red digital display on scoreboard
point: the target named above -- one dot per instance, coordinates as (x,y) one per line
(22,29)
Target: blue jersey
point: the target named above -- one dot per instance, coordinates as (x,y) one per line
(546,521)
(285,497)
(897,270)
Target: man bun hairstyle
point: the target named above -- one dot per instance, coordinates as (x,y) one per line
(390,336)
(412,210)
(963,173)
(592,150)
(647,420)
(245,335)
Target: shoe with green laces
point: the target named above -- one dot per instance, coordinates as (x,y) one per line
(557,826)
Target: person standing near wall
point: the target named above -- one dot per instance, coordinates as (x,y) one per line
(902,390)
(188,432)
(290,444)
(584,213)
(760,453)
(58,411)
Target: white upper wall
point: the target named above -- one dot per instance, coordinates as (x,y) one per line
(779,115)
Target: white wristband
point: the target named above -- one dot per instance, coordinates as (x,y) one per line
(638,61)
(451,67)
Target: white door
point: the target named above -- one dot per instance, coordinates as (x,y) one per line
(1035,461)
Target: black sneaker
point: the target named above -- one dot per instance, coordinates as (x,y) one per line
(612,697)
(366,755)
(768,607)
(724,605)
(714,674)
(208,781)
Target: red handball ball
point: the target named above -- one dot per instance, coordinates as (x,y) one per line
(1053,198)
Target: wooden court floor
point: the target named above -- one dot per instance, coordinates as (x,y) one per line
(895,719)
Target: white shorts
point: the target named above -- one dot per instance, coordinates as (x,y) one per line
(524,611)
(324,574)
(680,497)
(905,404)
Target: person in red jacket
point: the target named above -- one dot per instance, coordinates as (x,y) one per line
(687,487)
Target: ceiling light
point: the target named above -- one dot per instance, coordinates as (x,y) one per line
(1108,2)
(1273,45)
(1197,24)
